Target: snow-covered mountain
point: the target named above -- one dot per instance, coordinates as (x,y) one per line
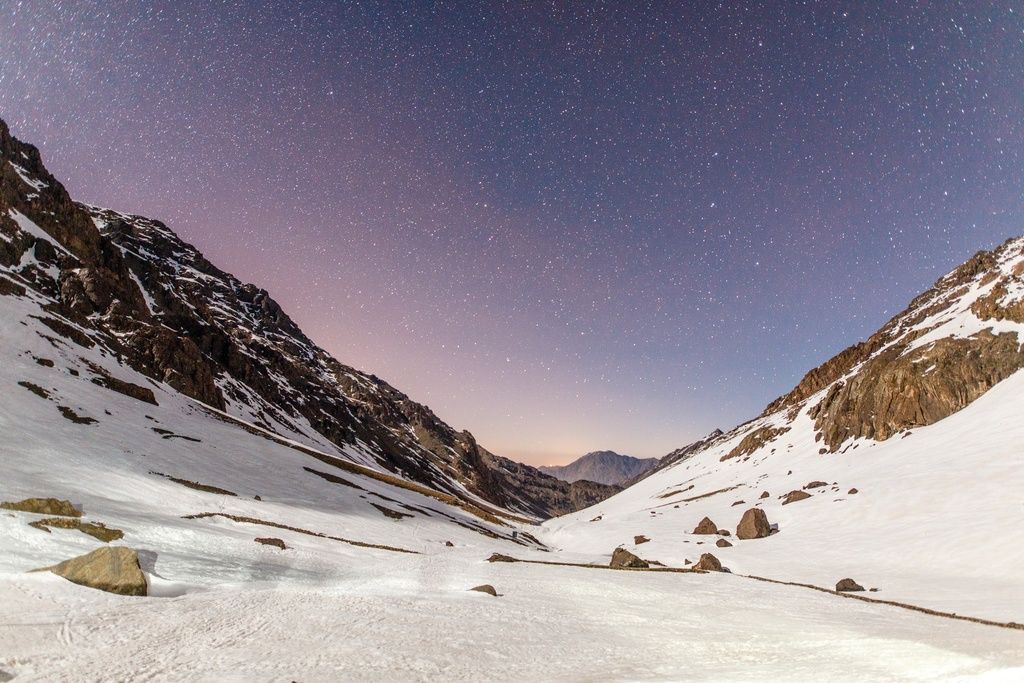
(899,462)
(604,467)
(131,286)
(291,518)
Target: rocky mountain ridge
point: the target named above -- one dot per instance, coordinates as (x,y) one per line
(603,467)
(130,285)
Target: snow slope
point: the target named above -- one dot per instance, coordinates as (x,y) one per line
(223,607)
(930,511)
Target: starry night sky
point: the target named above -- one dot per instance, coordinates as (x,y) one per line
(563,226)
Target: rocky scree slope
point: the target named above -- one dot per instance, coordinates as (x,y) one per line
(131,285)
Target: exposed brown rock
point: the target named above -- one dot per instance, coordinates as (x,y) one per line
(722,543)
(276,542)
(794,496)
(848,585)
(135,391)
(708,562)
(706,526)
(95,529)
(114,569)
(623,559)
(852,492)
(485,588)
(449,544)
(637,540)
(44,506)
(765,494)
(754,440)
(498,557)
(753,524)
(815,485)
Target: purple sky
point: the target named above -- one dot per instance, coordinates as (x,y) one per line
(563,227)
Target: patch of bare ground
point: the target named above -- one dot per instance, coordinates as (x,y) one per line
(70,414)
(35,389)
(195,484)
(390,514)
(95,529)
(307,532)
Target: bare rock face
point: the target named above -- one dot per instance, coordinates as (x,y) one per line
(722,543)
(112,569)
(765,494)
(816,485)
(706,526)
(848,586)
(888,383)
(709,563)
(44,506)
(485,588)
(275,542)
(753,524)
(754,440)
(623,559)
(892,392)
(637,540)
(794,496)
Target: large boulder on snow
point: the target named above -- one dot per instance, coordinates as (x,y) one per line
(709,563)
(848,586)
(623,559)
(753,524)
(706,526)
(113,569)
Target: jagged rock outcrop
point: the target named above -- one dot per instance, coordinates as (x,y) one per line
(950,346)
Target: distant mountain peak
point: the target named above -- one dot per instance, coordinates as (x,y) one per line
(603,467)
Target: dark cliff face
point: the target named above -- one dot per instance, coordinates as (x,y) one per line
(130,284)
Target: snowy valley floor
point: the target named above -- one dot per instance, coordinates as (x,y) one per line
(408,617)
